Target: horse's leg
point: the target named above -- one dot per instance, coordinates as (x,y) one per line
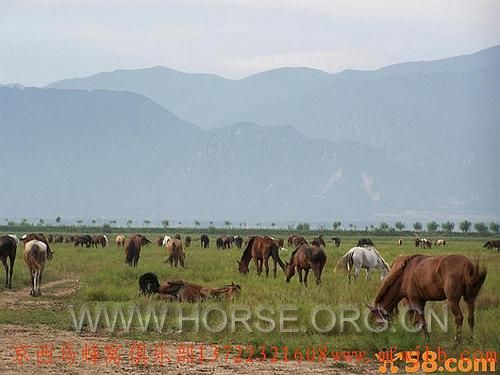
(39,284)
(4,262)
(368,272)
(305,276)
(471,307)
(459,317)
(266,264)
(256,261)
(299,272)
(317,273)
(275,267)
(417,309)
(12,260)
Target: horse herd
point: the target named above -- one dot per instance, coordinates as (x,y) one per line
(415,278)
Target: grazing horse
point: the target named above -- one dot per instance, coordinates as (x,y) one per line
(227,242)
(219,243)
(35,256)
(159,241)
(8,248)
(165,240)
(58,238)
(421,278)
(205,241)
(175,252)
(39,237)
(426,243)
(133,249)
(318,241)
(238,241)
(178,290)
(187,241)
(305,258)
(365,242)
(120,240)
(83,240)
(400,242)
(363,257)
(440,242)
(50,238)
(492,244)
(260,249)
(336,241)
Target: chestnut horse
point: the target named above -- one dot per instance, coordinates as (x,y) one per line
(319,241)
(176,252)
(260,249)
(35,255)
(8,248)
(178,290)
(421,278)
(133,248)
(305,258)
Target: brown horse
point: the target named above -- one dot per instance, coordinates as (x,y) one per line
(305,258)
(187,241)
(260,249)
(318,241)
(8,248)
(175,252)
(336,241)
(238,241)
(178,290)
(421,278)
(133,249)
(205,241)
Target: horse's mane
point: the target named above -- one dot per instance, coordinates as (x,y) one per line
(379,256)
(396,270)
(247,253)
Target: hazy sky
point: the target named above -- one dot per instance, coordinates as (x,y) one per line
(45,41)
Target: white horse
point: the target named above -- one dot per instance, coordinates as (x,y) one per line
(165,240)
(363,257)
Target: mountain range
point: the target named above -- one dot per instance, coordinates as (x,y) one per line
(291,143)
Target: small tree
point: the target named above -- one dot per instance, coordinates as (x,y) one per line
(41,222)
(196,223)
(432,227)
(384,226)
(417,226)
(79,222)
(227,223)
(465,226)
(129,223)
(481,228)
(303,226)
(165,223)
(58,220)
(147,222)
(494,228)
(93,221)
(448,226)
(399,225)
(336,225)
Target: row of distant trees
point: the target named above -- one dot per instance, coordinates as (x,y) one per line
(431,227)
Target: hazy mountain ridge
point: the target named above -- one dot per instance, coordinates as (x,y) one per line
(124,155)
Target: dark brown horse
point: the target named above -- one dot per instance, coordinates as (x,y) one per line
(205,241)
(492,244)
(8,248)
(260,249)
(305,258)
(238,241)
(187,241)
(421,278)
(133,248)
(219,243)
(336,241)
(318,241)
(58,238)
(178,290)
(159,241)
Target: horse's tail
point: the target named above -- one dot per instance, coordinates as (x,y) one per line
(106,239)
(474,279)
(276,256)
(345,262)
(149,284)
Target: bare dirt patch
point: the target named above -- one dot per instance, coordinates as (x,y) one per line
(15,339)
(52,293)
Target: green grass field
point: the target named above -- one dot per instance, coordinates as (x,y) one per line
(104,279)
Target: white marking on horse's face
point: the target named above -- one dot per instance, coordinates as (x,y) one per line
(24,237)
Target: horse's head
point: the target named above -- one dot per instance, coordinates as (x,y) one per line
(242,267)
(378,315)
(289,271)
